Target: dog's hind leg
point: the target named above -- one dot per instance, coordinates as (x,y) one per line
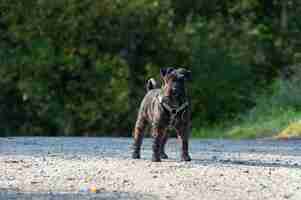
(138,138)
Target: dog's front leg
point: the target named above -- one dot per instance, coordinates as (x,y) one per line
(157,142)
(183,138)
(163,155)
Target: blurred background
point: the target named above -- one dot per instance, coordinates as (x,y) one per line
(78,67)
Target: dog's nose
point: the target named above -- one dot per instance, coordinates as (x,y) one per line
(178,88)
(177,91)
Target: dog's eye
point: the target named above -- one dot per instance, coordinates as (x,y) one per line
(172,77)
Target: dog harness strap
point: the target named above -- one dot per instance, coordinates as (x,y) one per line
(174,112)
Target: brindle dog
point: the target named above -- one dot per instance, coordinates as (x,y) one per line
(168,107)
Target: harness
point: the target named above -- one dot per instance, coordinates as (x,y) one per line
(175,113)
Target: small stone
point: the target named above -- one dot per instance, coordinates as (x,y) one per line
(84,189)
(93,189)
(34,182)
(11,161)
(11,178)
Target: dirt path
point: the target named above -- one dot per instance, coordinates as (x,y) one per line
(64,168)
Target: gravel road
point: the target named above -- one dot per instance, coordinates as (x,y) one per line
(64,168)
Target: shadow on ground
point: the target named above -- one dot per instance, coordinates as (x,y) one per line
(115,195)
(254,163)
(266,153)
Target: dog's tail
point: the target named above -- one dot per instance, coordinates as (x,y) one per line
(151,84)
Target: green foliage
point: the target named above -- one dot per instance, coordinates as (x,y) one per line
(288,91)
(276,109)
(78,67)
(222,82)
(292,131)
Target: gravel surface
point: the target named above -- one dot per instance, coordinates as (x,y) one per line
(65,168)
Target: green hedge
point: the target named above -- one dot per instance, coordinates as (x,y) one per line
(78,67)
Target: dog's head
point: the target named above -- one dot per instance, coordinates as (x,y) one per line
(174,81)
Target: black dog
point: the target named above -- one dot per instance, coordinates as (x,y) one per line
(168,107)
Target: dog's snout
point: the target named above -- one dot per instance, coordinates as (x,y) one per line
(177,91)
(178,86)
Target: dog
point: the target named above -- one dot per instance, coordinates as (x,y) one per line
(165,108)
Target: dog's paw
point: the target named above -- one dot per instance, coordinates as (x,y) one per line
(136,155)
(185,158)
(163,155)
(156,159)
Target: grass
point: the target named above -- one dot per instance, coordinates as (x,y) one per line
(292,131)
(262,125)
(266,125)
(208,132)
(277,114)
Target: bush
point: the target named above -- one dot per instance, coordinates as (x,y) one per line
(283,94)
(277,112)
(288,90)
(223,84)
(73,67)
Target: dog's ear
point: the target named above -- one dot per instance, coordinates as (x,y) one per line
(166,71)
(186,73)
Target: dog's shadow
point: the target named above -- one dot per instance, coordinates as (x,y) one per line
(237,162)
